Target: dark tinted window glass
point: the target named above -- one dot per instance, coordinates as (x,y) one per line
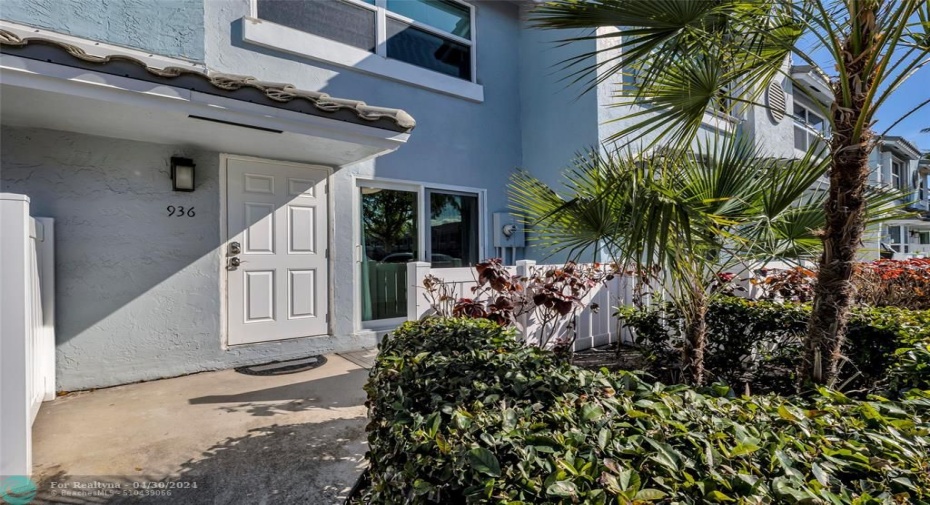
(426,50)
(335,20)
(895,233)
(453,230)
(446,16)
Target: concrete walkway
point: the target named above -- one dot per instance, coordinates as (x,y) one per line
(210,438)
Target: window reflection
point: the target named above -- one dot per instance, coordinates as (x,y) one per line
(418,47)
(453,230)
(389,242)
(446,16)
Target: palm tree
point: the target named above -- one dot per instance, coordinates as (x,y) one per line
(689,56)
(684,218)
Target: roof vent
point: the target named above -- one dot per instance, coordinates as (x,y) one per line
(775,95)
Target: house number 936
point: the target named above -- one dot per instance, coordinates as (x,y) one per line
(180,211)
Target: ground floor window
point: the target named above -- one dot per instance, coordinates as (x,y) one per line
(453,229)
(401,223)
(895,237)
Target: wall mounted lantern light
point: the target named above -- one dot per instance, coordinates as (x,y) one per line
(182,174)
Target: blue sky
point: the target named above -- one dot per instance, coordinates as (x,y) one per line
(914,91)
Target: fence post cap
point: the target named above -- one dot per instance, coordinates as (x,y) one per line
(16,197)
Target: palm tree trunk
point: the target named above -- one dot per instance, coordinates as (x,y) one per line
(695,338)
(845,209)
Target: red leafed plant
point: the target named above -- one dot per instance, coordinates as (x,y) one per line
(897,283)
(543,304)
(791,285)
(880,283)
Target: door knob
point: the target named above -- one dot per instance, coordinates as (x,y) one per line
(234,248)
(234,262)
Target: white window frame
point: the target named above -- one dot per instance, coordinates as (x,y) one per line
(806,126)
(897,176)
(293,41)
(422,189)
(923,237)
(901,246)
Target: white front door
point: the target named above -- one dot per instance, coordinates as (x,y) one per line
(276,215)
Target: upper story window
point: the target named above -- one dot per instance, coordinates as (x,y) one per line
(809,129)
(434,34)
(897,174)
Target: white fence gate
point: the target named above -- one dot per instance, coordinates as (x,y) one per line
(593,327)
(27,328)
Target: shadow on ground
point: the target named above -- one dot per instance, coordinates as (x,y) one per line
(337,391)
(313,463)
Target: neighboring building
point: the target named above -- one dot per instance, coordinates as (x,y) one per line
(305,207)
(894,162)
(899,164)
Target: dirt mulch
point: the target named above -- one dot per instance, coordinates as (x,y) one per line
(609,357)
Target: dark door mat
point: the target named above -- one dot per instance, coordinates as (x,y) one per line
(283,367)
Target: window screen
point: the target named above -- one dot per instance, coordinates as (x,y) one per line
(340,21)
(423,49)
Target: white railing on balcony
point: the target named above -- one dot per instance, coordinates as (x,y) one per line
(595,324)
(27,328)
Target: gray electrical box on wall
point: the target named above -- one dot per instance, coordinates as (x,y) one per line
(508,230)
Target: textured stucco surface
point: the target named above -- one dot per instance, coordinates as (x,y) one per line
(166,27)
(138,293)
(559,120)
(777,138)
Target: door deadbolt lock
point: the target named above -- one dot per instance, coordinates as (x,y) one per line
(234,248)
(234,262)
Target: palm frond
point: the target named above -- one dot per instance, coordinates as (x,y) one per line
(685,57)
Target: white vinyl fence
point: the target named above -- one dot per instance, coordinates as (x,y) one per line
(27,328)
(593,327)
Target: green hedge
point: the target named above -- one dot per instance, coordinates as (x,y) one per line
(760,344)
(461,413)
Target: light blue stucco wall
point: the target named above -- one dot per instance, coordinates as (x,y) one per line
(137,293)
(559,119)
(775,137)
(167,27)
